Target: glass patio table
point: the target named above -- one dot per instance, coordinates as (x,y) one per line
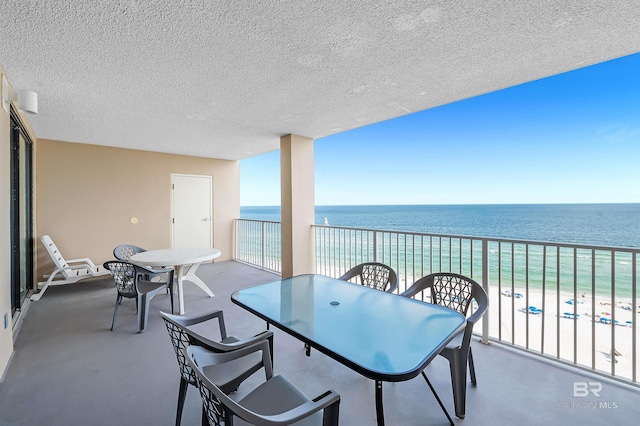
(383,336)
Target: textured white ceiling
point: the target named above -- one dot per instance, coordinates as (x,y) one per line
(226,79)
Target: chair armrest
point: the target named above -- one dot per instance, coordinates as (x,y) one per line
(468,329)
(157,270)
(82,259)
(184,322)
(327,399)
(233,346)
(248,341)
(349,274)
(206,357)
(473,318)
(73,267)
(393,286)
(412,291)
(187,321)
(145,270)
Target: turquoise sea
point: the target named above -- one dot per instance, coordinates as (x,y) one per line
(601,225)
(615,225)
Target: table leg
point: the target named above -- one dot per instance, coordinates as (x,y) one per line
(191,276)
(379,408)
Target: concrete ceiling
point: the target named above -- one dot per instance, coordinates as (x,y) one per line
(226,79)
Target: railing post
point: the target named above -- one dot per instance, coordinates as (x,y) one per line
(375,246)
(485,285)
(236,245)
(264,245)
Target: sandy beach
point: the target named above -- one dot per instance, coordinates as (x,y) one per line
(592,327)
(509,320)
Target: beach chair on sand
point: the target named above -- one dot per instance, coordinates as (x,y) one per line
(70,271)
(535,311)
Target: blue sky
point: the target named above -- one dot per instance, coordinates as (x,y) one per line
(570,138)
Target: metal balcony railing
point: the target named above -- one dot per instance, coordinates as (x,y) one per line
(575,304)
(259,243)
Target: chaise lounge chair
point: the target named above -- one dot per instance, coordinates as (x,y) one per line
(535,311)
(71,270)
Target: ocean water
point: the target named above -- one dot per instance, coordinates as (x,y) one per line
(604,225)
(615,225)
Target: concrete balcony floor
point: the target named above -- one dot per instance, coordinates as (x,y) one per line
(70,369)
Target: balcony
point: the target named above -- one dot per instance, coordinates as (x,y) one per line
(69,369)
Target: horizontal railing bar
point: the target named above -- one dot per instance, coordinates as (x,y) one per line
(491,239)
(259,221)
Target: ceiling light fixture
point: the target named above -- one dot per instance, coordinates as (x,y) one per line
(27,100)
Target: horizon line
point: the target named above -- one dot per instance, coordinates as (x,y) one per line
(454,204)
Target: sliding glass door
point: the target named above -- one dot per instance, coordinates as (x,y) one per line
(21,215)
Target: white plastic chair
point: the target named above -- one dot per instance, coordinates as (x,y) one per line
(70,271)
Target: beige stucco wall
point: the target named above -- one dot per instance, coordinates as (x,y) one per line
(87,194)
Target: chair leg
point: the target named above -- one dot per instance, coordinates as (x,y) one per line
(458,367)
(145,301)
(270,339)
(170,289)
(205,419)
(143,312)
(182,393)
(115,311)
(139,308)
(446,413)
(472,369)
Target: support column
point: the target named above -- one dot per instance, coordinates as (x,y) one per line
(297,204)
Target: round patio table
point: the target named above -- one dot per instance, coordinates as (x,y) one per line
(190,257)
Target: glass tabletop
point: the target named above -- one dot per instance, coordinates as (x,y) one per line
(381,335)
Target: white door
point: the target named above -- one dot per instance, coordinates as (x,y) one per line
(192,224)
